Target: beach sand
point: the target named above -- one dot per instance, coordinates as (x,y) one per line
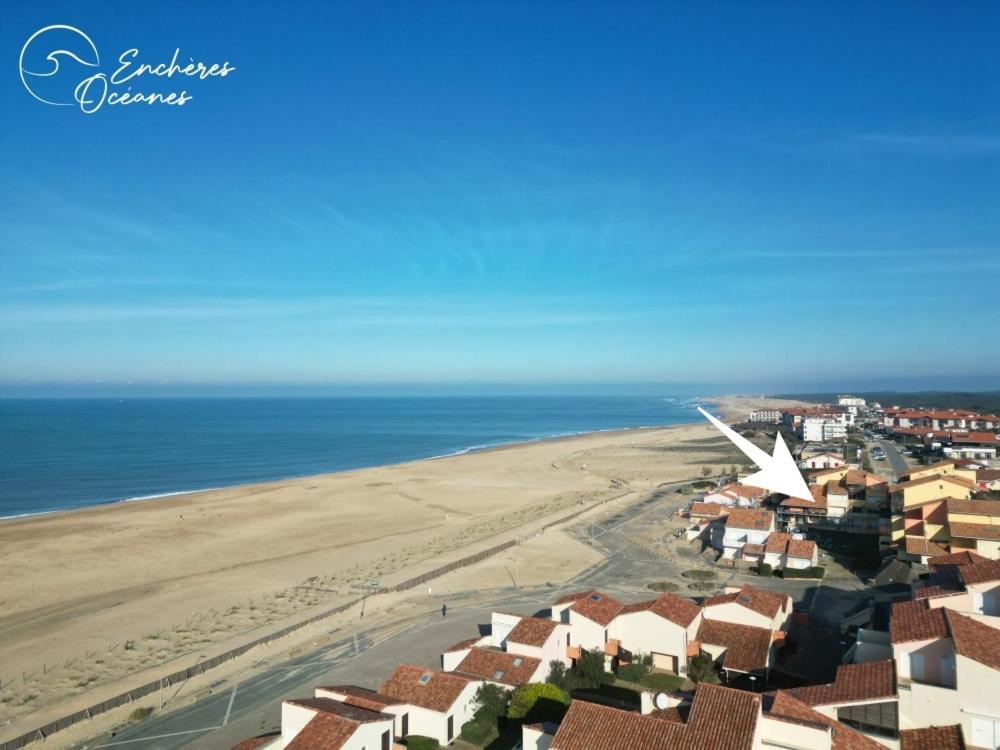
(92,596)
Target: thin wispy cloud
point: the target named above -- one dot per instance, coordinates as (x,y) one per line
(941,146)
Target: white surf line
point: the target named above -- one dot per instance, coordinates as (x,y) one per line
(229,708)
(157,737)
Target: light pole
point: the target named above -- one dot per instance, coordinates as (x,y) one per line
(160,656)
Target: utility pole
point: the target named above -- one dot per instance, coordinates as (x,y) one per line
(161,680)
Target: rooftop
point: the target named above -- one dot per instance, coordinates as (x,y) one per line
(855,683)
(532,631)
(764,602)
(498,666)
(747,647)
(419,686)
(597,607)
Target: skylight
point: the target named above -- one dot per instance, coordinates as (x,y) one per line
(518,661)
(425,678)
(498,675)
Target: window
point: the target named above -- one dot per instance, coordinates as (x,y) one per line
(404,725)
(451,728)
(985,732)
(387,740)
(873,718)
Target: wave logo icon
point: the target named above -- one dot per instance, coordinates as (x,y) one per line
(49,60)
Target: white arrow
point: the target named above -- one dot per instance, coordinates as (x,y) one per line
(778,472)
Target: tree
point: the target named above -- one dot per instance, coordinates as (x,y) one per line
(706,471)
(538,701)
(559,676)
(589,669)
(702,669)
(492,700)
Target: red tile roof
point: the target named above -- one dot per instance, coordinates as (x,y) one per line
(916,621)
(958,481)
(980,572)
(964,557)
(722,718)
(817,499)
(917,545)
(778,542)
(973,530)
(568,598)
(532,631)
(974,639)
(362,697)
(855,683)
(676,609)
(767,603)
(713,510)
(588,726)
(750,518)
(424,687)
(333,724)
(498,666)
(784,707)
(597,607)
(747,647)
(462,645)
(973,507)
(932,738)
(254,742)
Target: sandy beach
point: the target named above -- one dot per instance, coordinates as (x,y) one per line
(92,596)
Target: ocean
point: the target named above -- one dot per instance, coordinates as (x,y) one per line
(64,453)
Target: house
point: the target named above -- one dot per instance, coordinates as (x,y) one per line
(863,696)
(430,703)
(988,479)
(822,461)
(948,667)
(741,526)
(662,628)
(502,668)
(973,445)
(829,501)
(963,581)
(453,655)
(974,525)
(823,476)
(716,718)
(546,640)
(741,495)
(308,723)
(749,605)
(739,649)
(783,550)
(590,617)
(706,511)
(917,509)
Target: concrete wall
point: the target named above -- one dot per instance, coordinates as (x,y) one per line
(535,739)
(784,735)
(554,649)
(648,633)
(586,633)
(737,613)
(501,624)
(293,720)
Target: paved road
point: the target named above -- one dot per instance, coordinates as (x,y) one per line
(240,709)
(894,458)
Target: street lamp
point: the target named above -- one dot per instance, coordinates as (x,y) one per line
(753,684)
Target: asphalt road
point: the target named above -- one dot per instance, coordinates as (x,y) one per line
(239,708)
(894,458)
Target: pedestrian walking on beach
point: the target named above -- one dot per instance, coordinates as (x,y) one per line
(444,610)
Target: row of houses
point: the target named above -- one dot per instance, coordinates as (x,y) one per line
(938,419)
(929,684)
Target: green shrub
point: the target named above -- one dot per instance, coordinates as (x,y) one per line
(481,730)
(491,701)
(561,677)
(702,484)
(538,701)
(816,572)
(662,586)
(416,742)
(588,670)
(662,681)
(687,489)
(638,669)
(764,569)
(702,669)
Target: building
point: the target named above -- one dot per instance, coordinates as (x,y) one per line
(508,670)
(308,723)
(663,628)
(740,495)
(749,605)
(429,703)
(741,526)
(768,416)
(822,461)
(783,550)
(821,429)
(546,640)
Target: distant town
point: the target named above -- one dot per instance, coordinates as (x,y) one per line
(864,616)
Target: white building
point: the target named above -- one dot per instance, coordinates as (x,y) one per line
(741,526)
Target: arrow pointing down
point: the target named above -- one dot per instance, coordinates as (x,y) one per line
(778,472)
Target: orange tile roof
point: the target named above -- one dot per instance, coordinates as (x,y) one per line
(855,683)
(588,726)
(462,645)
(532,631)
(597,607)
(802,548)
(974,639)
(749,518)
(973,507)
(574,596)
(438,691)
(980,572)
(708,509)
(778,542)
(333,724)
(722,718)
(362,697)
(959,481)
(917,545)
(498,666)
(916,621)
(973,530)
(932,738)
(747,647)
(784,707)
(964,557)
(675,608)
(767,603)
(254,742)
(817,499)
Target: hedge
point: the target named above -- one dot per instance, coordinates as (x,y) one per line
(817,572)
(416,742)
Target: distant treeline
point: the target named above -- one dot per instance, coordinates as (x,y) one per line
(985,401)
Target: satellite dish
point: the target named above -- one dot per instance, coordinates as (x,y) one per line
(662,700)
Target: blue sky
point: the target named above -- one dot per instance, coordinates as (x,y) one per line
(770,196)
